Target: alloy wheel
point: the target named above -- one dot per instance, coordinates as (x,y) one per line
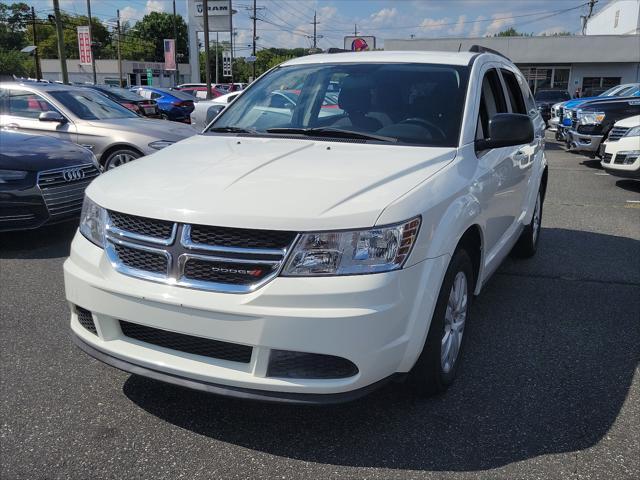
(454,321)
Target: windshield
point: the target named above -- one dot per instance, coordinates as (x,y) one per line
(122,93)
(176,93)
(626,91)
(610,92)
(90,105)
(556,95)
(417,104)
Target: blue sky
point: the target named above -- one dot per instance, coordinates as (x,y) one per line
(286,23)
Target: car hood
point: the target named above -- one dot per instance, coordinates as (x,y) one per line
(269,183)
(160,129)
(34,153)
(629,122)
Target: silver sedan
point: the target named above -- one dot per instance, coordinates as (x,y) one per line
(113,133)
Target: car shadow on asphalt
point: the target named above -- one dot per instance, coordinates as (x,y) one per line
(52,241)
(550,357)
(629,185)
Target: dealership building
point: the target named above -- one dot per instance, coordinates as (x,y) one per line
(584,62)
(606,55)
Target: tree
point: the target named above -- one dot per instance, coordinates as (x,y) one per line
(13,62)
(154,28)
(512,32)
(14,19)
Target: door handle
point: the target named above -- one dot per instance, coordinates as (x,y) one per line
(12,126)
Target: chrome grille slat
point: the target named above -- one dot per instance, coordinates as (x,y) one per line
(228,268)
(62,196)
(617,133)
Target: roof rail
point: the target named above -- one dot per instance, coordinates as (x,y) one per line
(481,49)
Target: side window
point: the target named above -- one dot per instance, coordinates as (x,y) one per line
(492,101)
(514,91)
(27,104)
(155,95)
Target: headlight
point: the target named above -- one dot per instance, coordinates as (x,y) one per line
(353,252)
(630,156)
(633,132)
(9,176)
(93,220)
(160,144)
(590,118)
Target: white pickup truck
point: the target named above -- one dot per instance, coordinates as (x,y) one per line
(311,253)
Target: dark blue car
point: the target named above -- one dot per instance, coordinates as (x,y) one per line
(42,180)
(173,104)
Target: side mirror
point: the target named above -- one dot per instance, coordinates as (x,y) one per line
(52,116)
(507,129)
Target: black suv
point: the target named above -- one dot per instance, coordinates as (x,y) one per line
(545,99)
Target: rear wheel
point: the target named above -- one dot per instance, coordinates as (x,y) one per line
(438,363)
(528,242)
(120,157)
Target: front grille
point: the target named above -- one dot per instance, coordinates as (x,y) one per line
(187,343)
(286,364)
(85,318)
(231,260)
(619,159)
(617,133)
(225,272)
(159,229)
(63,188)
(141,259)
(240,237)
(606,158)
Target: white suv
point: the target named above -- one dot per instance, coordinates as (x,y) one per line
(312,252)
(622,148)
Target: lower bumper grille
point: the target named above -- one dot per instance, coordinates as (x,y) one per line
(85,318)
(187,343)
(286,364)
(620,159)
(606,158)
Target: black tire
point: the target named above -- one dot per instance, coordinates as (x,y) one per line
(527,244)
(428,376)
(120,157)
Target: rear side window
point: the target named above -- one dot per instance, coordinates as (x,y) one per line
(514,91)
(492,101)
(25,104)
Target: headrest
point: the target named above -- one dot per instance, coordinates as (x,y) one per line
(355,94)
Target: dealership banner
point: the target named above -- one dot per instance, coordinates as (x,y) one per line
(169,54)
(84,45)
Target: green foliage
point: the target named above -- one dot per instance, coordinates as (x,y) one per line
(13,62)
(13,21)
(150,32)
(512,32)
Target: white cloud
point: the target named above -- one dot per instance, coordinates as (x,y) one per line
(477,27)
(129,14)
(432,24)
(458,28)
(384,15)
(154,6)
(327,13)
(499,22)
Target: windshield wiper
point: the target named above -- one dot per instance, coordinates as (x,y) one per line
(332,132)
(231,129)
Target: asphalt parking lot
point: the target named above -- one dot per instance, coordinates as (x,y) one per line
(549,387)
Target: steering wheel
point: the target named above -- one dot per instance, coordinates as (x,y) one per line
(432,127)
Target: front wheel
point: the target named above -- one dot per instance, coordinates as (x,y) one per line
(120,157)
(438,363)
(527,244)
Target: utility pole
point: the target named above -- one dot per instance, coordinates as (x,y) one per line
(585,18)
(93,57)
(254,38)
(315,39)
(35,42)
(217,41)
(61,54)
(355,29)
(207,63)
(119,55)
(175,47)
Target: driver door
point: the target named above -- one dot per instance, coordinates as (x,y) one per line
(21,110)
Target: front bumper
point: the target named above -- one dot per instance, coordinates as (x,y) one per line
(582,142)
(378,322)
